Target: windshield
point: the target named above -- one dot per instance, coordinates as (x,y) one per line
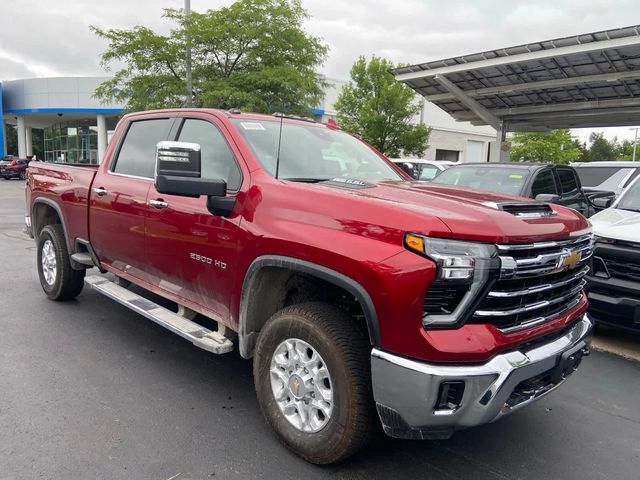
(630,200)
(309,152)
(502,179)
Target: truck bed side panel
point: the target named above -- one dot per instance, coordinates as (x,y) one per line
(68,186)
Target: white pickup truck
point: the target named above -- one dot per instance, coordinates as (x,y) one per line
(614,280)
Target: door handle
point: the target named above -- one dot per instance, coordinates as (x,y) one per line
(99,191)
(158,203)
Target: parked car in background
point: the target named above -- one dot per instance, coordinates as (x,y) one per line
(541,181)
(420,169)
(6,161)
(17,168)
(610,176)
(614,279)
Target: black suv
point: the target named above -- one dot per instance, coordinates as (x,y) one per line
(546,182)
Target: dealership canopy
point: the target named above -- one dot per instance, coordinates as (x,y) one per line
(588,80)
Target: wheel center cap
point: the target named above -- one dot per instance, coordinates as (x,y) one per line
(296,386)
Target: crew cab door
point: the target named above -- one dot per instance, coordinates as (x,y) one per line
(118,198)
(191,252)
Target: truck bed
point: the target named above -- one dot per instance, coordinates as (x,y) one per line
(69,187)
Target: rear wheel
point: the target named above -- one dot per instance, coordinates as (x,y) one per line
(23,175)
(313,381)
(59,281)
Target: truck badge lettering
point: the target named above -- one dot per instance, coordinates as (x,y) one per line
(208,261)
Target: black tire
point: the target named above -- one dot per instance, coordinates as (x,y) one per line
(23,175)
(6,177)
(67,283)
(345,350)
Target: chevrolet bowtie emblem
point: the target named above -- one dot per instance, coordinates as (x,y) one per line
(570,259)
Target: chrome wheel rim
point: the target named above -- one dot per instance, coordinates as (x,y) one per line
(301,385)
(48,259)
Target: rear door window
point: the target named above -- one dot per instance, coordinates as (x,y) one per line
(137,155)
(544,183)
(428,172)
(568,181)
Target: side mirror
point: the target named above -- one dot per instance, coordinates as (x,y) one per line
(548,197)
(178,172)
(602,202)
(408,168)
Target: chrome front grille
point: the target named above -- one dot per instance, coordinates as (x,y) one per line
(538,282)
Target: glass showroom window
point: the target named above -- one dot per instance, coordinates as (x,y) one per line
(73,142)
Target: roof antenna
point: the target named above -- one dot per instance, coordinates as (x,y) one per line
(281,115)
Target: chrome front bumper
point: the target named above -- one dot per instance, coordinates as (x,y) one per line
(409,394)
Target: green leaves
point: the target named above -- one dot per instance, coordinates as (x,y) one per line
(555,146)
(376,107)
(252,55)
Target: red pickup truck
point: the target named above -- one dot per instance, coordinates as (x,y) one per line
(362,296)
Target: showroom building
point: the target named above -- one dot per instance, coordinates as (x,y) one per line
(77,126)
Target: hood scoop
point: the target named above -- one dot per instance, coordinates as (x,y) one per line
(523,209)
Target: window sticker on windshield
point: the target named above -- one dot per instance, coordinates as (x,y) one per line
(252,126)
(516,176)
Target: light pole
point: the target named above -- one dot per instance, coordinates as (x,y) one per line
(635,143)
(187,14)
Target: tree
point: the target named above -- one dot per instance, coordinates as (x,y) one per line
(37,141)
(626,151)
(253,55)
(379,109)
(582,146)
(555,146)
(601,148)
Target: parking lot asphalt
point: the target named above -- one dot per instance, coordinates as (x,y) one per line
(90,390)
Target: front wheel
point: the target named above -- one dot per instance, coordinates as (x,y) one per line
(59,281)
(313,381)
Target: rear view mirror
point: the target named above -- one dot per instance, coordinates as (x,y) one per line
(548,197)
(178,172)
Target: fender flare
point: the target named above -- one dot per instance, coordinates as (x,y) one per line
(246,342)
(56,207)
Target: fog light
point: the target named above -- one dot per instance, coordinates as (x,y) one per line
(450,395)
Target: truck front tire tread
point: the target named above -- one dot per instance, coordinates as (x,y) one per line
(346,349)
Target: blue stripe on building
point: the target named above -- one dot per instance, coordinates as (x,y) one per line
(20,111)
(2,144)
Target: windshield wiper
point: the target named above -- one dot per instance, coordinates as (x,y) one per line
(307,179)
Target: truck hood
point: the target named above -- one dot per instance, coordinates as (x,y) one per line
(470,214)
(617,224)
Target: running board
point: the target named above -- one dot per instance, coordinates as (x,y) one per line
(200,336)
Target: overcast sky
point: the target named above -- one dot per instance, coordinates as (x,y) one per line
(45,38)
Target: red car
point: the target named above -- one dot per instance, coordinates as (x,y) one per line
(361,295)
(16,168)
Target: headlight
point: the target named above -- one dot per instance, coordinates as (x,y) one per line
(465,270)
